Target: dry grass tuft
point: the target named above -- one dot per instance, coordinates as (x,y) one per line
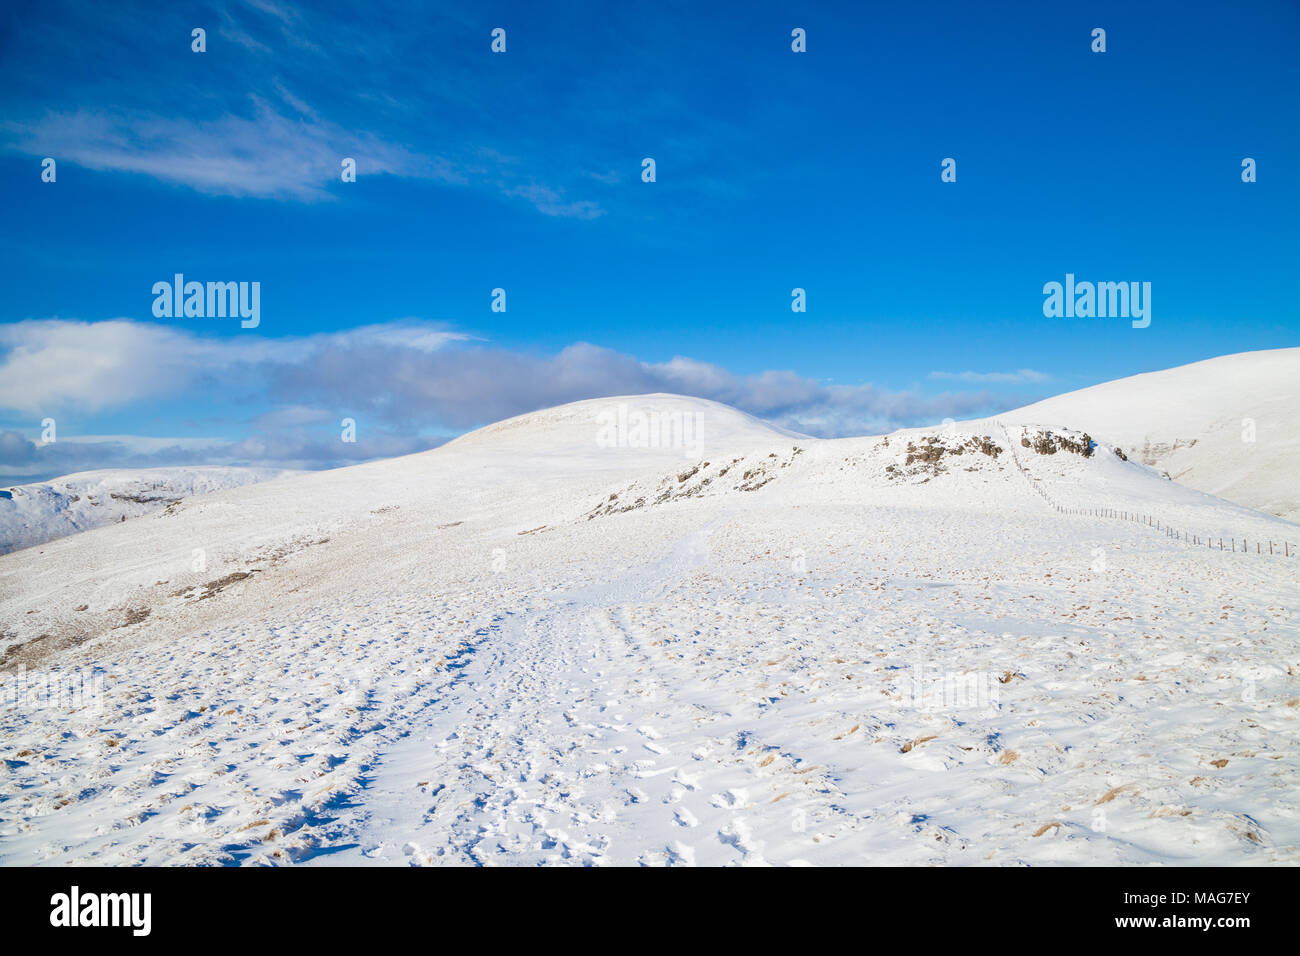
(1112,793)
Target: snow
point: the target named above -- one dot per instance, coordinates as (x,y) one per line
(1226,426)
(544,644)
(35,513)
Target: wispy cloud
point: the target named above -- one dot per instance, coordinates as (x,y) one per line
(285,91)
(266,154)
(551,202)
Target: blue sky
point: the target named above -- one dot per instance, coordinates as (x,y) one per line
(522,170)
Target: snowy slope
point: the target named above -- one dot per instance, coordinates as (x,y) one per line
(633,427)
(1226,426)
(544,643)
(42,511)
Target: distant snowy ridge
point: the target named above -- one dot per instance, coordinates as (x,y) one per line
(35,513)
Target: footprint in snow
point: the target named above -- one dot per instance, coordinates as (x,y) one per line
(680,854)
(687,780)
(731,800)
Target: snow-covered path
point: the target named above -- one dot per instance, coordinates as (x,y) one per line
(562,741)
(562,744)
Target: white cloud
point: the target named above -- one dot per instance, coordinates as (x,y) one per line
(48,365)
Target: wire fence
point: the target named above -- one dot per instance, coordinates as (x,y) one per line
(1262,546)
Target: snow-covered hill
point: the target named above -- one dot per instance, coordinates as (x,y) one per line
(559,639)
(1227,426)
(42,511)
(656,425)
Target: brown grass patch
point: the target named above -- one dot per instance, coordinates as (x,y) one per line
(220,584)
(1111,794)
(133,616)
